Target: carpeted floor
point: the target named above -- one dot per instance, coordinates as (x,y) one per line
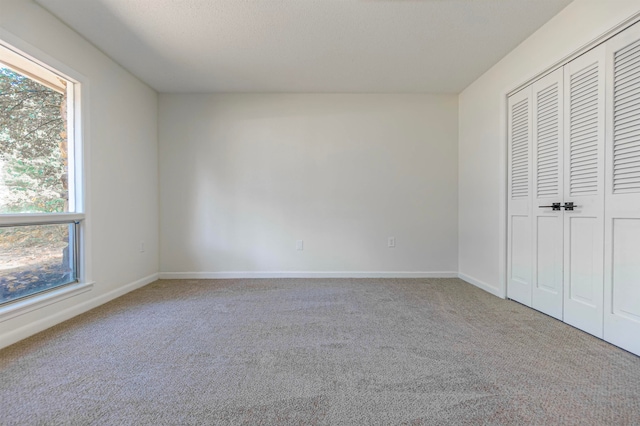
(322,351)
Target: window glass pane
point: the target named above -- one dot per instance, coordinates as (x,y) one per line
(33,145)
(34,258)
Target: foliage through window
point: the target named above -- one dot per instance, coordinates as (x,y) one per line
(39,252)
(33,152)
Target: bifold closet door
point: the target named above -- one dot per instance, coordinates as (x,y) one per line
(547,251)
(622,199)
(584,84)
(573,249)
(519,197)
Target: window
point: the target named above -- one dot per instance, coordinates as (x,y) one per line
(41,214)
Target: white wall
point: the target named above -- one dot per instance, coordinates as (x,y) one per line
(121,143)
(243,177)
(482,132)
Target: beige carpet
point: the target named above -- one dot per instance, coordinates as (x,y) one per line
(338,351)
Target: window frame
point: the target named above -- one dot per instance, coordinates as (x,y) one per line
(77,101)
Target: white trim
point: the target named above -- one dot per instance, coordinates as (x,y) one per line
(306,274)
(34,327)
(21,307)
(482,285)
(11,59)
(39,218)
(29,51)
(635,18)
(82,155)
(503,203)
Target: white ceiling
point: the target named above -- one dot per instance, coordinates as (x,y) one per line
(373,46)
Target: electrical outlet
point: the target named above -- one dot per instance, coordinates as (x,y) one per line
(300,245)
(141,246)
(391,242)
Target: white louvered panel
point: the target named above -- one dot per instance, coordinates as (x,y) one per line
(583,132)
(519,202)
(547,224)
(520,150)
(622,191)
(626,120)
(547,124)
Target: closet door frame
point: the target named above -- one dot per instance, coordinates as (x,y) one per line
(505,222)
(611,312)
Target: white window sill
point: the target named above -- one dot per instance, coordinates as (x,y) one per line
(21,307)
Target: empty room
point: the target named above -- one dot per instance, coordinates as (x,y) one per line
(319,212)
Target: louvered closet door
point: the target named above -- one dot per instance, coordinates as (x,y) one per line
(622,196)
(519,201)
(584,186)
(547,102)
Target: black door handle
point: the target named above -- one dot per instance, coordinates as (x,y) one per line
(554,206)
(569,206)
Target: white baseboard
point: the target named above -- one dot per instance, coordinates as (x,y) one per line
(481,284)
(305,274)
(32,328)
